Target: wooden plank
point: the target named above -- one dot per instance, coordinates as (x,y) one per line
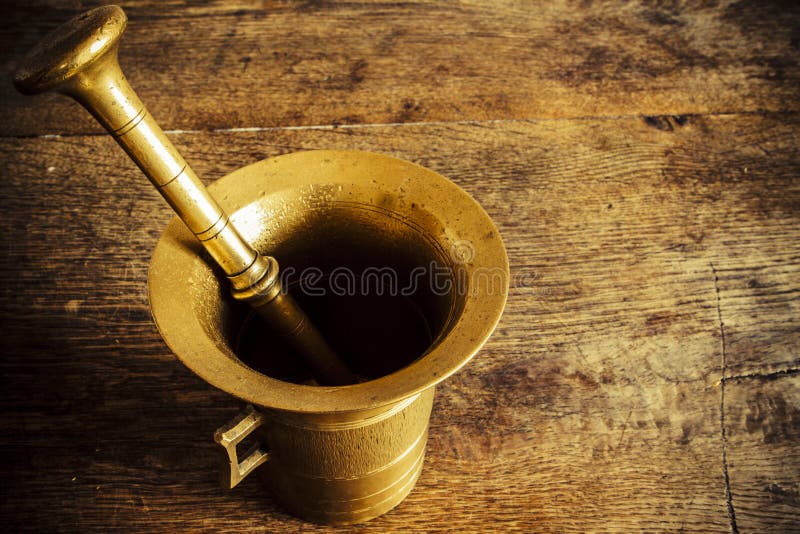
(595,406)
(764,413)
(223,65)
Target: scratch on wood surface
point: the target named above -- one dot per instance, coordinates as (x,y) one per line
(622,434)
(728,496)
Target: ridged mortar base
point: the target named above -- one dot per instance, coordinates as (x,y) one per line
(345,511)
(346,471)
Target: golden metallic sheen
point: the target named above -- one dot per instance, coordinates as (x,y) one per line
(330,454)
(337,455)
(79,59)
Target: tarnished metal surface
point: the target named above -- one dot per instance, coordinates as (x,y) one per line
(401,270)
(340,454)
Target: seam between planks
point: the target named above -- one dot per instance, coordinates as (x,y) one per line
(255,129)
(723,380)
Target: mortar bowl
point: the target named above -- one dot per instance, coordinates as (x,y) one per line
(405,275)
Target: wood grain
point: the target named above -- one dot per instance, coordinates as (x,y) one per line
(290,63)
(640,159)
(598,405)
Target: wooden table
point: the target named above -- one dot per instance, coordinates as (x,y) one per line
(640,161)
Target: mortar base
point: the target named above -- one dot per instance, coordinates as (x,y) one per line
(348,512)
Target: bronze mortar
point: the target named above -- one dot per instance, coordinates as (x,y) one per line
(348,453)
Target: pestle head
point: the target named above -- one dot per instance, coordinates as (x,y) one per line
(69,49)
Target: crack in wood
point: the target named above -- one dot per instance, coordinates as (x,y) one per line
(728,495)
(762,376)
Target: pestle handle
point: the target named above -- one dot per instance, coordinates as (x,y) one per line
(79,59)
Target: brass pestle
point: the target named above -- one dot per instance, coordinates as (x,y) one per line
(79,59)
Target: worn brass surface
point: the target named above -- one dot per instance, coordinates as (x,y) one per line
(339,454)
(335,209)
(333,454)
(79,59)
